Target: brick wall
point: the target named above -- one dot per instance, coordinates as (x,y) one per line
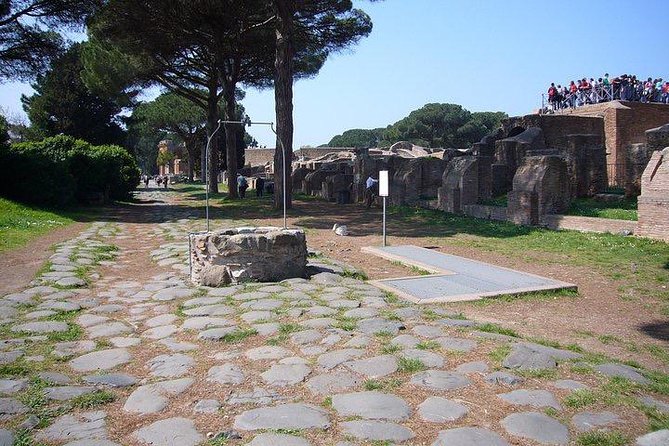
(654,199)
(258,157)
(589,224)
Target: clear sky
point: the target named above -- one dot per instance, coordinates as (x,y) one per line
(486,55)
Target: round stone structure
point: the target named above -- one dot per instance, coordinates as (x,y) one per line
(247,254)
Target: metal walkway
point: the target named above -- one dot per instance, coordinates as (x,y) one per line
(456,278)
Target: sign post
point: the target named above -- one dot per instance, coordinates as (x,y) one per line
(383,192)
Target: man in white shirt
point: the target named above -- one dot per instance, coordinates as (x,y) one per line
(370,190)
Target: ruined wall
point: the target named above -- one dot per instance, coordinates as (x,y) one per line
(556,127)
(258,157)
(540,187)
(417,179)
(653,208)
(317,152)
(460,184)
(586,163)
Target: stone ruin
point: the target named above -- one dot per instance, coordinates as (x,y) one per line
(264,254)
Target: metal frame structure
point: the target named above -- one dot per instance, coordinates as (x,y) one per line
(246,122)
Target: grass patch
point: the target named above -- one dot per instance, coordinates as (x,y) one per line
(494,328)
(538,374)
(619,210)
(93,399)
(431,315)
(347,323)
(390,297)
(73,333)
(602,438)
(389,349)
(21,223)
(499,353)
(428,345)
(18,368)
(390,315)
(410,365)
(388,384)
(413,268)
(289,328)
(239,335)
(660,353)
(357,275)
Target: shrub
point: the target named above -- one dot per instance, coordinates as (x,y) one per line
(60,170)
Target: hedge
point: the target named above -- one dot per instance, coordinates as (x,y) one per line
(62,171)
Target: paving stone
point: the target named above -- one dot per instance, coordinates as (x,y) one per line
(54,378)
(257,397)
(6,438)
(256,316)
(334,382)
(469,436)
(569,384)
(169,294)
(534,398)
(267,352)
(587,421)
(262,304)
(378,325)
(200,301)
(405,341)
(622,371)
(375,367)
(41,327)
(427,331)
(358,341)
(376,430)
(333,359)
(65,393)
(371,405)
(205,322)
(153,398)
(284,416)
(170,432)
(207,406)
(9,408)
(407,313)
(88,426)
(306,337)
(71,282)
(321,322)
(267,329)
(225,374)
(344,303)
(33,315)
(163,319)
(216,334)
(657,438)
(59,306)
(123,342)
(449,322)
(253,295)
(536,426)
(438,410)
(361,313)
(529,356)
(100,360)
(9,386)
(655,404)
(67,349)
(429,359)
(112,380)
(472,367)
(281,375)
(456,344)
(88,320)
(209,310)
(176,346)
(503,378)
(171,366)
(269,439)
(107,329)
(440,380)
(108,309)
(161,332)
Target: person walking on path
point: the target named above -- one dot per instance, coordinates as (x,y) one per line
(260,186)
(371,186)
(242,185)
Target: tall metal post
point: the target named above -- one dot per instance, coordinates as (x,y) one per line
(207,176)
(384,221)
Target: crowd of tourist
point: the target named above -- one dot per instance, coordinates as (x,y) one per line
(625,87)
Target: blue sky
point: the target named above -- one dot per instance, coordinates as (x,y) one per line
(485,55)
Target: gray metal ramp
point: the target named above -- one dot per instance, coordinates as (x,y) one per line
(457,278)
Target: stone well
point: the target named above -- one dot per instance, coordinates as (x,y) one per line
(234,255)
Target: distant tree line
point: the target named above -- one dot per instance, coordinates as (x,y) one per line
(433,125)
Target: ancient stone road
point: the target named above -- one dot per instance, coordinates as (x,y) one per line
(114,347)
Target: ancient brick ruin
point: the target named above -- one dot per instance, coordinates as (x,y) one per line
(540,163)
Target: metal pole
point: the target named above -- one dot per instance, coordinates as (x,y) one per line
(384,221)
(207,176)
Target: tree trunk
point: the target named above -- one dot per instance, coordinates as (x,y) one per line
(190,151)
(231,137)
(212,125)
(283,97)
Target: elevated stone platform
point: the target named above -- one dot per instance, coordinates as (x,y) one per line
(456,278)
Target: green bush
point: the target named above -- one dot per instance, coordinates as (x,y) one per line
(61,170)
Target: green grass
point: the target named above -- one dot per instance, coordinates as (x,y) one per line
(358,275)
(410,365)
(239,335)
(589,207)
(93,399)
(601,438)
(428,345)
(494,328)
(388,384)
(499,353)
(21,223)
(389,349)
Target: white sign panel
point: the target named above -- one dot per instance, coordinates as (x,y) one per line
(383,183)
